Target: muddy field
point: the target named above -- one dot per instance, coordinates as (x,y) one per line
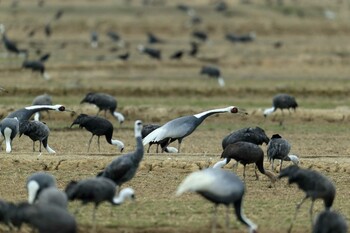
(312,64)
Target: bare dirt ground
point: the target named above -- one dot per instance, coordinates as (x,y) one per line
(312,64)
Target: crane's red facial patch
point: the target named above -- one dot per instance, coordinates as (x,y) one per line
(234,110)
(62,108)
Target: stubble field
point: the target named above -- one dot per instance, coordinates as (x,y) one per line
(312,64)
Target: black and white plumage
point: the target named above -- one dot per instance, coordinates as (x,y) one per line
(147,129)
(9,45)
(97,190)
(124,56)
(44,99)
(330,222)
(314,184)
(246,153)
(53,196)
(9,128)
(278,148)
(37,182)
(220,187)
(37,65)
(104,102)
(179,128)
(36,131)
(254,135)
(151,52)
(100,127)
(244,38)
(281,101)
(94,39)
(213,72)
(123,168)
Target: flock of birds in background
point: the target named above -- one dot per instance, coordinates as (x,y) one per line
(47,207)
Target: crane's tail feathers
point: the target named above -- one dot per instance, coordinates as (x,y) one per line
(152,137)
(171,149)
(194,182)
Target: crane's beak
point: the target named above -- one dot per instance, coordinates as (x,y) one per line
(72,125)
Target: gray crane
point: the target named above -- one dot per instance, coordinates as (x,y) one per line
(246,153)
(53,196)
(330,222)
(151,52)
(179,128)
(278,148)
(314,184)
(213,72)
(10,46)
(249,134)
(98,126)
(123,168)
(97,190)
(6,209)
(94,39)
(147,129)
(36,131)
(104,102)
(44,99)
(37,182)
(9,128)
(220,187)
(281,101)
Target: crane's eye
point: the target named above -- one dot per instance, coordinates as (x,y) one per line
(62,108)
(234,110)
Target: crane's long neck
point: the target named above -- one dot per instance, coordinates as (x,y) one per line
(242,218)
(221,163)
(27,112)
(260,166)
(202,116)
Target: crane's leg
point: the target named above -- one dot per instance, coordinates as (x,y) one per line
(149,147)
(227,218)
(179,146)
(244,172)
(295,214)
(256,174)
(98,143)
(94,219)
(90,143)
(213,226)
(33,146)
(310,211)
(281,165)
(39,148)
(272,168)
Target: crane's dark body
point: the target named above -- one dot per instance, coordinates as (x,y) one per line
(284,101)
(254,135)
(102,101)
(10,123)
(278,148)
(35,130)
(330,222)
(211,71)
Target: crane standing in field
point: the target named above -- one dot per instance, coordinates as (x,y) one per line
(330,222)
(281,101)
(179,128)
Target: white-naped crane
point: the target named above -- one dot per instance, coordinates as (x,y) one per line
(179,128)
(314,184)
(104,102)
(147,129)
(220,187)
(97,190)
(100,127)
(123,168)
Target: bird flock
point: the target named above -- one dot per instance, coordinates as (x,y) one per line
(47,208)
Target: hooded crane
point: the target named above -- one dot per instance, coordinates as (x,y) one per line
(147,129)
(37,182)
(194,49)
(94,39)
(213,72)
(98,126)
(37,131)
(281,101)
(244,38)
(37,65)
(123,168)
(9,128)
(278,148)
(220,187)
(44,99)
(180,128)
(10,46)
(152,53)
(44,218)
(330,222)
(153,39)
(254,135)
(6,209)
(246,153)
(97,190)
(314,184)
(53,196)
(104,102)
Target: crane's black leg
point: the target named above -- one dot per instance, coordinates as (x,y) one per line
(33,146)
(213,226)
(94,219)
(149,147)
(179,146)
(281,165)
(39,148)
(98,143)
(295,214)
(227,218)
(90,143)
(310,211)
(256,174)
(244,172)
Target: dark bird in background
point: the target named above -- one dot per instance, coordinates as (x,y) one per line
(147,129)
(9,45)
(213,72)
(281,101)
(200,35)
(221,6)
(100,127)
(114,36)
(58,14)
(153,39)
(314,184)
(187,9)
(330,222)
(37,182)
(37,65)
(279,148)
(278,44)
(246,153)
(48,30)
(43,99)
(179,128)
(123,168)
(36,131)
(124,56)
(9,128)
(194,49)
(254,135)
(104,102)
(151,52)
(94,39)
(177,55)
(97,190)
(245,38)
(219,187)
